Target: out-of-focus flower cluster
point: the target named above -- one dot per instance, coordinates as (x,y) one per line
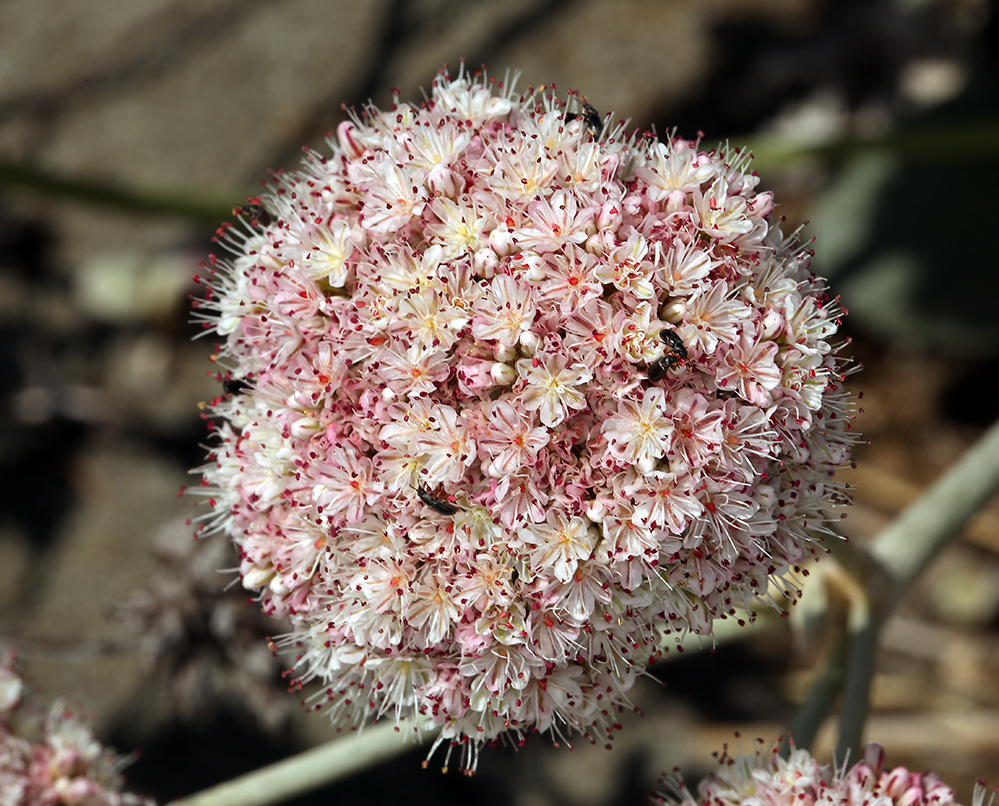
(53,759)
(509,394)
(769,780)
(204,645)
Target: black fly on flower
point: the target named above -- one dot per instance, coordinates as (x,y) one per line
(436,504)
(676,353)
(594,124)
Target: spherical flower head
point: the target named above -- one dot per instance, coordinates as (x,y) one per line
(510,394)
(767,779)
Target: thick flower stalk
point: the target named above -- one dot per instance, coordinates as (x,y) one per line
(53,759)
(509,394)
(799,780)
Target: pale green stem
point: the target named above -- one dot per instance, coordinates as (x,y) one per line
(841,658)
(911,542)
(885,571)
(863,630)
(818,704)
(859,639)
(311,769)
(900,553)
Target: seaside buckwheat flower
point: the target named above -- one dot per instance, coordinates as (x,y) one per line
(53,759)
(511,396)
(769,780)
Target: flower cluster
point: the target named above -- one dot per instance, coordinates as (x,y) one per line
(769,780)
(203,645)
(54,759)
(509,393)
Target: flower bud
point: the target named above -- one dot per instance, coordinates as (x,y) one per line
(503,374)
(673,313)
(484,263)
(529,342)
(505,353)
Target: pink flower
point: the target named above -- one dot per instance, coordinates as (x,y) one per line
(519,399)
(713,318)
(343,484)
(54,759)
(766,779)
(510,438)
(446,448)
(696,435)
(748,367)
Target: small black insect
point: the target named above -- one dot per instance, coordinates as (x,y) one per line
(435,503)
(659,368)
(235,386)
(676,353)
(672,340)
(592,117)
(254,212)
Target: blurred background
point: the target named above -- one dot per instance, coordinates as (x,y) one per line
(128,131)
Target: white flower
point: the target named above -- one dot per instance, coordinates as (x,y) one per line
(383,585)
(668,498)
(627,267)
(328,251)
(429,321)
(402,270)
(674,166)
(487,584)
(590,332)
(551,387)
(373,536)
(565,278)
(344,484)
(472,100)
(723,216)
(447,448)
(687,268)
(459,227)
(712,317)
(416,373)
(627,538)
(505,313)
(697,433)
(552,222)
(523,169)
(431,146)
(640,432)
(560,543)
(432,610)
(390,197)
(263,482)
